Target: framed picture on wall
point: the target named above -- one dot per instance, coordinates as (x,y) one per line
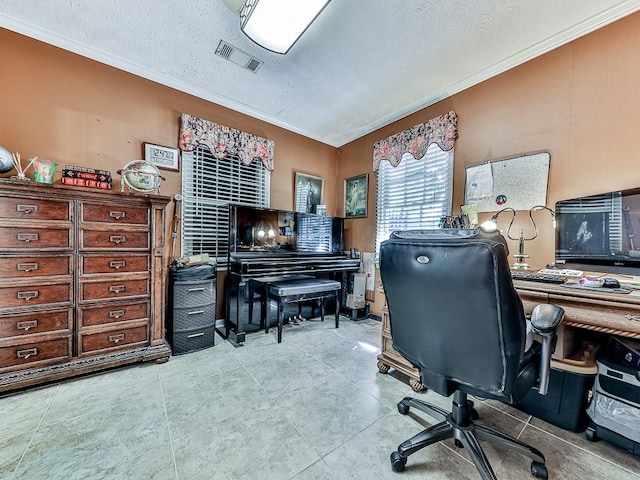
(162,157)
(308,193)
(356,190)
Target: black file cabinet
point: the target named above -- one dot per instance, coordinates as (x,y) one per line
(192,308)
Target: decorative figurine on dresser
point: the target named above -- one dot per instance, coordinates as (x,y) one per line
(82,277)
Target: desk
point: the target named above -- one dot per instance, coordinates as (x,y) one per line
(600,311)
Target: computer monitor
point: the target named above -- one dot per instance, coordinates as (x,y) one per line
(597,232)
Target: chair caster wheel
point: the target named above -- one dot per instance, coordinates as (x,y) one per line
(402,408)
(458,443)
(539,470)
(590,434)
(397,462)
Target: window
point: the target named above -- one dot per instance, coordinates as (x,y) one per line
(415,194)
(209,185)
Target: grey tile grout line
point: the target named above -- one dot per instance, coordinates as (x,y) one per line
(35,431)
(166,417)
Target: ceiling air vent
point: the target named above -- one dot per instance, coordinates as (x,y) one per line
(237,56)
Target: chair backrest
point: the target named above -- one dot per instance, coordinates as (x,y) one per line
(453,310)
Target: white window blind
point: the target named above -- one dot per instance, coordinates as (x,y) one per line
(415,194)
(209,185)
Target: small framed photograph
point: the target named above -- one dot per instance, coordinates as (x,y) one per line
(162,157)
(308,191)
(356,190)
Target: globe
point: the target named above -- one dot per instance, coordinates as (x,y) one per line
(141,175)
(6,160)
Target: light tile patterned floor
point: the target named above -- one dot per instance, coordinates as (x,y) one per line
(314,407)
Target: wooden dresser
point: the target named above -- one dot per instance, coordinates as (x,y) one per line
(82,281)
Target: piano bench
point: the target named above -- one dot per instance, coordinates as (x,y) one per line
(259,286)
(301,290)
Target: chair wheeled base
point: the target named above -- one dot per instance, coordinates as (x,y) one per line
(458,424)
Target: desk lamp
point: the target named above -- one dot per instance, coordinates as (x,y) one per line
(492,225)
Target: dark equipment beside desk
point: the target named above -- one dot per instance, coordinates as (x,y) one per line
(565,404)
(615,403)
(465,333)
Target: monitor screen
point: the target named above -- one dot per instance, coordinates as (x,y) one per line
(597,232)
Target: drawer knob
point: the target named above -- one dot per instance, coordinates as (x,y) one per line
(116,338)
(28,295)
(117,239)
(117,215)
(116,313)
(117,264)
(27,208)
(27,324)
(194,335)
(196,312)
(29,352)
(28,237)
(117,288)
(27,267)
(198,289)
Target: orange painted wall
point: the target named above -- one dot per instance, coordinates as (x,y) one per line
(72,110)
(580,102)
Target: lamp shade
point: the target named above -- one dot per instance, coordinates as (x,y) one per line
(277,24)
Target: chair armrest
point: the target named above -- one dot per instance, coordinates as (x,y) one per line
(544,321)
(546,318)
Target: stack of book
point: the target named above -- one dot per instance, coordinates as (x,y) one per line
(86,177)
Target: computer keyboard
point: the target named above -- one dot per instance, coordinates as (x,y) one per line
(538,277)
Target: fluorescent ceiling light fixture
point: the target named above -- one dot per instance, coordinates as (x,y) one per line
(277,24)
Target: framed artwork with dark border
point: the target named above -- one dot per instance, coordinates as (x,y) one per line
(162,157)
(308,193)
(356,190)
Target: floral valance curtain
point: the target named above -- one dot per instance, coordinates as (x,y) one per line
(223,141)
(442,130)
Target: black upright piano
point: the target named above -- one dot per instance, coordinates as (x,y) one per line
(266,243)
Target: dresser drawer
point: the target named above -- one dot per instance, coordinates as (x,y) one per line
(194,293)
(26,355)
(90,316)
(34,238)
(33,323)
(25,266)
(92,264)
(114,339)
(193,317)
(34,209)
(113,240)
(30,295)
(93,212)
(114,289)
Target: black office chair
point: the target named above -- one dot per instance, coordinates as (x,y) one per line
(457,318)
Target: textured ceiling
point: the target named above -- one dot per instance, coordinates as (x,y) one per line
(361,65)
